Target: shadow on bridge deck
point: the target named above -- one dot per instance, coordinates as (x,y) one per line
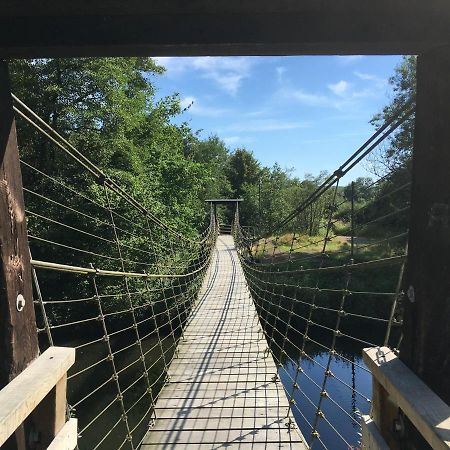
(221,392)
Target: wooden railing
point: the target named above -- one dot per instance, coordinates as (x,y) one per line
(398,393)
(40,391)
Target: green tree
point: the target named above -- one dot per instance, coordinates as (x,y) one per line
(397,153)
(242,168)
(106,108)
(363,190)
(213,154)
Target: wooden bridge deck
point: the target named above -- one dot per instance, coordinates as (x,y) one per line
(221,393)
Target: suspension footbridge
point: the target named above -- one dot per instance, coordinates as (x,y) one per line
(206,340)
(223,390)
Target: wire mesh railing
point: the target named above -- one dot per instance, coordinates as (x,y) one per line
(327,282)
(110,279)
(117,283)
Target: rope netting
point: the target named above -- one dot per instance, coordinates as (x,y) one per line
(111,280)
(117,283)
(326,282)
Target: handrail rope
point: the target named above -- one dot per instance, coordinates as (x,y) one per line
(109,273)
(94,219)
(390,125)
(94,170)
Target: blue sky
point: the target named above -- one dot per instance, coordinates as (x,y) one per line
(303,112)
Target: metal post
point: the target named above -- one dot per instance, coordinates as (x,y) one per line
(352,219)
(259,202)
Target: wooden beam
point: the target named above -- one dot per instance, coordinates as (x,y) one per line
(49,416)
(18,334)
(425,346)
(66,438)
(371,437)
(383,412)
(427,412)
(223,27)
(23,394)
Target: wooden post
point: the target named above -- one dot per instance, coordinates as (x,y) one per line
(18,335)
(427,283)
(422,410)
(427,305)
(383,413)
(49,416)
(39,391)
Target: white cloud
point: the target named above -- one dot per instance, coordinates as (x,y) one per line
(280,70)
(228,73)
(232,140)
(380,82)
(309,99)
(349,59)
(259,125)
(340,88)
(365,76)
(265,111)
(194,107)
(344,98)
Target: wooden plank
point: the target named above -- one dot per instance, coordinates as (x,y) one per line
(232,446)
(223,378)
(428,413)
(224,423)
(18,335)
(20,397)
(269,413)
(221,391)
(239,370)
(237,384)
(252,435)
(218,396)
(371,437)
(222,402)
(232,349)
(222,359)
(66,439)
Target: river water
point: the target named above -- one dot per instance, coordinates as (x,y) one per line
(349,391)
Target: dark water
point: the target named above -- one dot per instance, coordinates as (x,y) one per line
(99,413)
(349,391)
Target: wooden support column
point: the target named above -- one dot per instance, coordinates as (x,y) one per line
(18,335)
(425,347)
(49,416)
(425,416)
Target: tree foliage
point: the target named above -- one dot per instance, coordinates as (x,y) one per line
(107,109)
(396,155)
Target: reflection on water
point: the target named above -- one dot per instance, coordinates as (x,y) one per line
(349,391)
